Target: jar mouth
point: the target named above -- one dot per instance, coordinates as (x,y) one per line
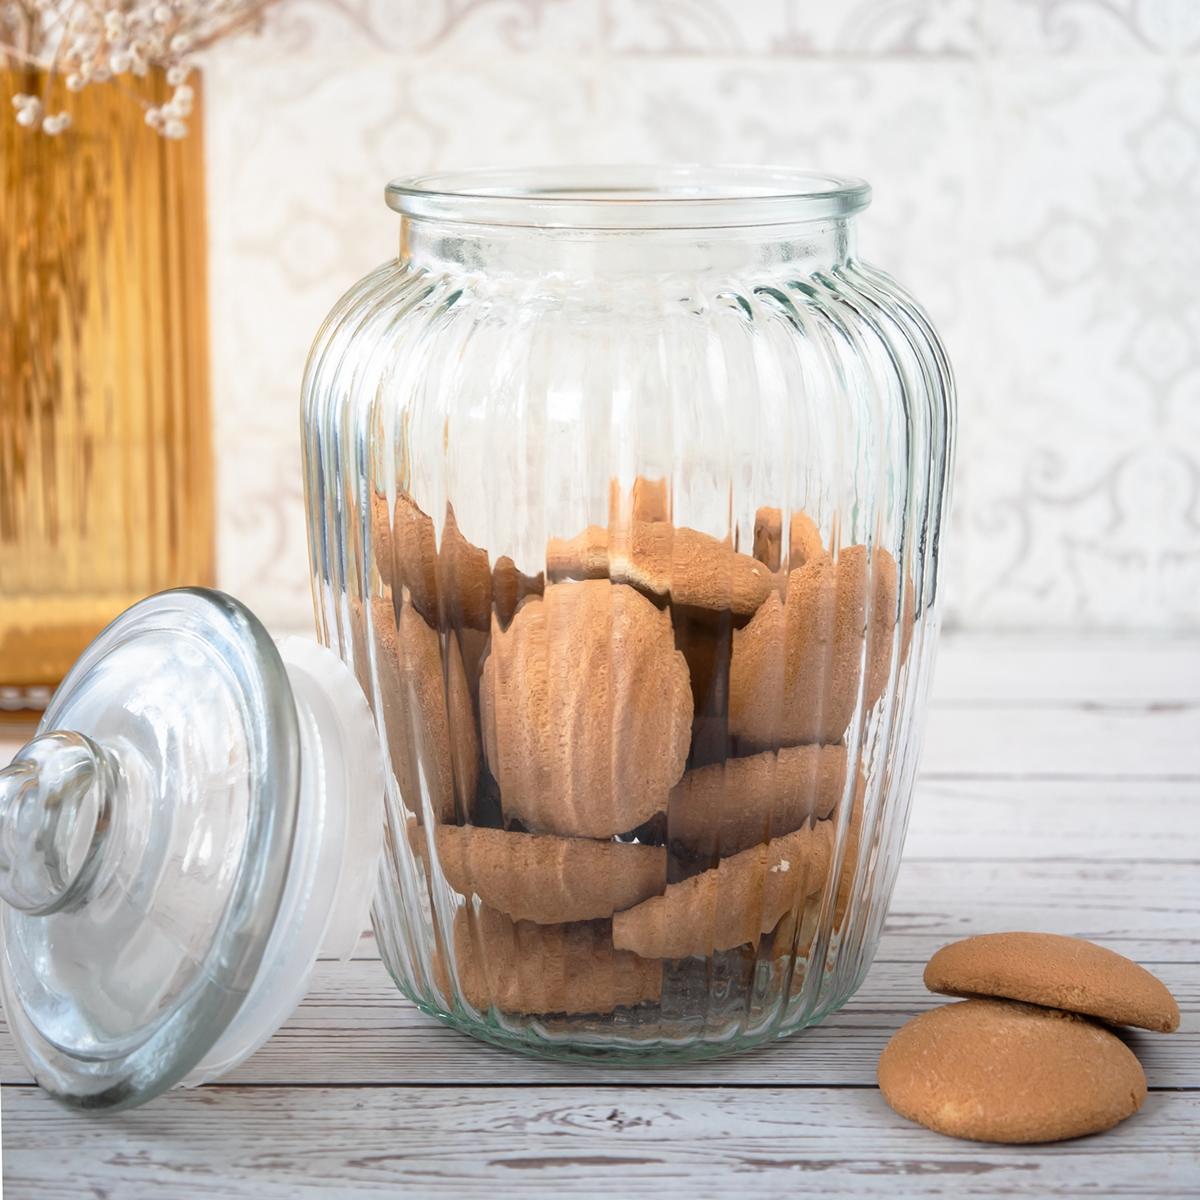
(630,197)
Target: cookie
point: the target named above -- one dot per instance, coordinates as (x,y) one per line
(546,879)
(464,578)
(796,667)
(730,806)
(690,568)
(473,645)
(381,538)
(731,904)
(802,939)
(414,556)
(1055,971)
(524,968)
(994,1071)
(510,586)
(453,585)
(804,539)
(647,500)
(428,717)
(586,710)
(585,556)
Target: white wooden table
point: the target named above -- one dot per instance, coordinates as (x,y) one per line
(1060,790)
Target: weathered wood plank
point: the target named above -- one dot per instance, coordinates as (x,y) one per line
(356,1028)
(1053,669)
(579,1141)
(1026,819)
(1022,741)
(1149,911)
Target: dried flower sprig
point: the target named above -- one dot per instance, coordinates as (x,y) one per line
(95,41)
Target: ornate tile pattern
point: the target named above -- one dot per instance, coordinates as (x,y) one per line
(1037,182)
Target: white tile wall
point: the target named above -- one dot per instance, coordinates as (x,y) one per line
(1037,175)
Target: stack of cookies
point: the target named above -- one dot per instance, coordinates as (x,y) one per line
(633,757)
(1030,1056)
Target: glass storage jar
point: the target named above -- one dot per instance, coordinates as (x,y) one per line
(625,490)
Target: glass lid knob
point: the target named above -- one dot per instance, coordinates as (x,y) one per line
(54,813)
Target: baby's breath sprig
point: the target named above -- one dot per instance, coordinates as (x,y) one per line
(96,41)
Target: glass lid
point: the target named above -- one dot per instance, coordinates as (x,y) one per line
(158,833)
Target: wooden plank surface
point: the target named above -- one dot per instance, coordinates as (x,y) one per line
(580,1141)
(353,1029)
(1060,789)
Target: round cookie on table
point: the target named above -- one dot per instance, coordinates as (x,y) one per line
(1058,972)
(996,1071)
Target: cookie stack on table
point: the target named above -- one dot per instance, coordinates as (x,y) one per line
(1030,1056)
(634,756)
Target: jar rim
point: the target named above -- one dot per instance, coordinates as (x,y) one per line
(629,197)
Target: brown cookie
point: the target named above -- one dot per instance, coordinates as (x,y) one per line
(994,1071)
(802,940)
(547,879)
(804,539)
(521,967)
(690,567)
(473,644)
(355,632)
(586,710)
(731,904)
(510,586)
(795,668)
(727,807)
(1058,972)
(428,717)
(768,537)
(647,500)
(585,556)
(452,585)
(414,556)
(381,538)
(686,566)
(464,579)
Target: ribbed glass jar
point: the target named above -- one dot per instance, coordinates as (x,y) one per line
(625,490)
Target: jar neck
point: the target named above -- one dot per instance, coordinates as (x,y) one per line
(518,251)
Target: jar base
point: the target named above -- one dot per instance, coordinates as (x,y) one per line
(617,1053)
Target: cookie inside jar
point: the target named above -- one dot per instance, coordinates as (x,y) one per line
(627,766)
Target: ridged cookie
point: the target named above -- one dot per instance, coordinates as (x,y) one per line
(452,585)
(804,539)
(414,556)
(586,710)
(546,879)
(1056,971)
(730,806)
(795,669)
(521,967)
(691,568)
(381,538)
(731,904)
(429,725)
(647,500)
(995,1071)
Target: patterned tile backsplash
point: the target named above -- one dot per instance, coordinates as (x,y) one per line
(1036,166)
